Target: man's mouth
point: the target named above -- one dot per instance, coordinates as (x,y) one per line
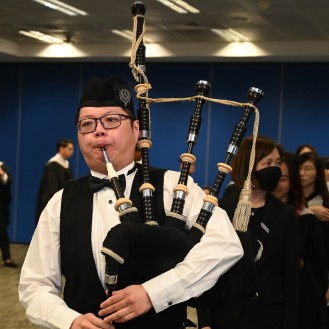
(102,146)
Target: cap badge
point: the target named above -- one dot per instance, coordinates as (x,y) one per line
(125,96)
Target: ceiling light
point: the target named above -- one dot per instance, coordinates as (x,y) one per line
(264,4)
(230,35)
(62,7)
(241,49)
(186,6)
(128,34)
(41,36)
(179,6)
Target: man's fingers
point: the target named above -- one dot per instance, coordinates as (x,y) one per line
(112,307)
(89,320)
(120,316)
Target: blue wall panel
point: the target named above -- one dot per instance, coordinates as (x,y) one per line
(49,97)
(305,106)
(39,105)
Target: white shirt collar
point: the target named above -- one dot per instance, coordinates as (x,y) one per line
(122,171)
(60,160)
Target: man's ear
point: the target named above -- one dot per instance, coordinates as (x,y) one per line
(136,128)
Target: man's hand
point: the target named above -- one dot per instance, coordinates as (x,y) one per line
(126,304)
(90,321)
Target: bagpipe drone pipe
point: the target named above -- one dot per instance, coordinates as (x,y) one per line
(138,248)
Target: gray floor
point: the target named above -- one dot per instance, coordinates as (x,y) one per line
(12,313)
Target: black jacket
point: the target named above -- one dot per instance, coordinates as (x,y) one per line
(314,274)
(277,273)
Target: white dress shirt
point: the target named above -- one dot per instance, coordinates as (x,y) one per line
(40,284)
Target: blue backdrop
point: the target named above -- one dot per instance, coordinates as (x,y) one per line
(39,101)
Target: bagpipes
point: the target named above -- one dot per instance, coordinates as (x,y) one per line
(139,242)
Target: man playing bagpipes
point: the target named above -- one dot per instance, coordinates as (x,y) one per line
(74,224)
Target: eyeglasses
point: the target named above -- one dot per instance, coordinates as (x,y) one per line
(108,121)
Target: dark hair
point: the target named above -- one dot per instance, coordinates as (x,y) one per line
(207,187)
(295,195)
(240,165)
(63,143)
(311,147)
(326,162)
(320,185)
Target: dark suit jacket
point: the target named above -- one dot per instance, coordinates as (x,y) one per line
(277,273)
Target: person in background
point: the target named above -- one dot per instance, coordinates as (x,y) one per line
(274,225)
(312,174)
(207,189)
(75,222)
(55,175)
(313,262)
(5,199)
(326,169)
(230,188)
(306,148)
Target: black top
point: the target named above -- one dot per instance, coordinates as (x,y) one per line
(275,225)
(314,274)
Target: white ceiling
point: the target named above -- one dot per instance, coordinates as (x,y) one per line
(289,30)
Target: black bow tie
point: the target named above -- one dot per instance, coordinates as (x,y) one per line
(96,184)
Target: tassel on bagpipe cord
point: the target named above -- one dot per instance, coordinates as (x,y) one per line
(175,216)
(210,201)
(143,115)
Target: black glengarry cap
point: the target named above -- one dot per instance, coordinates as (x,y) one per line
(113,91)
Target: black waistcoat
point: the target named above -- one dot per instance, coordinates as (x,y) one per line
(83,290)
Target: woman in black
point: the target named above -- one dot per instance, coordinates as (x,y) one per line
(274,225)
(313,263)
